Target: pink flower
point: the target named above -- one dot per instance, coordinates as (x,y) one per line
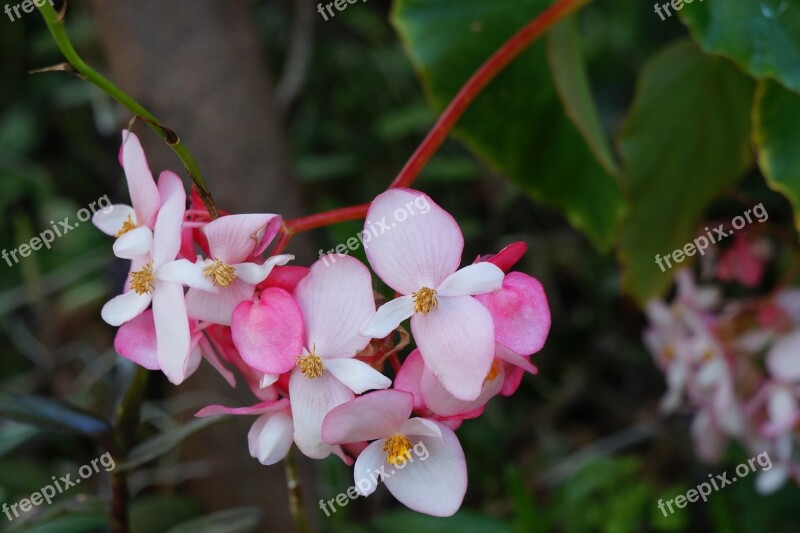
(132,226)
(434,483)
(743,261)
(231,241)
(418,257)
(158,278)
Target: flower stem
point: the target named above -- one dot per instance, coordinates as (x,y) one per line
(451,114)
(295,493)
(55,24)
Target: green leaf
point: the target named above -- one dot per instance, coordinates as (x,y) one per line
(685,141)
(517,124)
(51,414)
(230,521)
(462,521)
(761,36)
(572,83)
(166,441)
(161,512)
(776,134)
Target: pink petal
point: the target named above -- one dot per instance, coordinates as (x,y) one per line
(136,341)
(270,438)
(520,313)
(234,238)
(172,330)
(421,427)
(514,375)
(457,343)
(369,461)
(782,408)
(167,232)
(444,404)
(479,278)
(783,359)
(409,377)
(420,251)
(502,353)
(254,273)
(216,363)
(269,333)
(372,416)
(388,317)
(142,187)
(435,485)
(257,409)
(110,222)
(185,272)
(508,256)
(336,300)
(217,307)
(286,277)
(311,400)
(124,307)
(357,375)
(134,243)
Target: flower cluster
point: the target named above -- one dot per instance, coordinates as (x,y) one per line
(311,342)
(733,362)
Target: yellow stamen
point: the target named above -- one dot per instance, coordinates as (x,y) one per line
(397,448)
(128,225)
(425,300)
(668,352)
(142,280)
(220,274)
(493,372)
(311,364)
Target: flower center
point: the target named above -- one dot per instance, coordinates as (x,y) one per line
(128,225)
(397,448)
(219,273)
(310,364)
(142,280)
(425,300)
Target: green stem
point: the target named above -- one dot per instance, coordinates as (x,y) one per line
(56,26)
(295,493)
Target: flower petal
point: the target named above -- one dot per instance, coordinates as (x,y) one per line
(504,354)
(434,484)
(217,307)
(210,355)
(270,437)
(418,251)
(357,375)
(184,272)
(311,400)
(783,359)
(372,416)
(421,427)
(457,344)
(520,313)
(255,273)
(336,300)
(388,317)
(110,222)
(173,339)
(269,333)
(124,307)
(134,243)
(367,465)
(136,341)
(444,404)
(234,238)
(408,379)
(167,232)
(257,409)
(142,187)
(478,278)
(508,256)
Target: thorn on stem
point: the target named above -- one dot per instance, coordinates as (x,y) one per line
(64,67)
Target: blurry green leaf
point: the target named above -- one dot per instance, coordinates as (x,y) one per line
(761,36)
(410,120)
(166,441)
(51,414)
(685,141)
(572,83)
(312,168)
(230,521)
(13,435)
(462,521)
(159,513)
(70,523)
(517,123)
(528,517)
(776,134)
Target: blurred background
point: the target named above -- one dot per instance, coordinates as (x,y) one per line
(288,113)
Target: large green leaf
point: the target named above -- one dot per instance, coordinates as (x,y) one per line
(762,36)
(685,141)
(776,134)
(51,414)
(517,123)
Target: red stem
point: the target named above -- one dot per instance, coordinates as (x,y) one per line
(460,103)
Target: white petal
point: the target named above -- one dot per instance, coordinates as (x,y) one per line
(184,272)
(271,437)
(134,243)
(478,278)
(421,427)
(267,380)
(124,307)
(388,317)
(357,375)
(771,480)
(368,464)
(173,339)
(217,307)
(255,274)
(111,222)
